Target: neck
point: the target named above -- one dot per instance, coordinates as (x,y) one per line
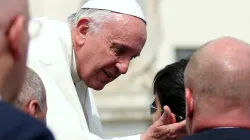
(236,118)
(74,72)
(69,43)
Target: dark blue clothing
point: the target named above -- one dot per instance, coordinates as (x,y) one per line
(16,125)
(221,134)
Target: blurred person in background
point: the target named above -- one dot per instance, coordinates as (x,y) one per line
(169,90)
(32,98)
(14,39)
(90,51)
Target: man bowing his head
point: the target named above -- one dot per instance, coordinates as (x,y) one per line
(93,49)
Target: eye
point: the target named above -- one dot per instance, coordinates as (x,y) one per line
(121,50)
(118,50)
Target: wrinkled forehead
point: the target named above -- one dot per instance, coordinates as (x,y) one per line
(130,24)
(126,28)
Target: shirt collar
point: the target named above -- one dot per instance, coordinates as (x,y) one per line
(71,58)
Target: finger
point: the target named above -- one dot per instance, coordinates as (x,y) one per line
(166,116)
(180,128)
(174,131)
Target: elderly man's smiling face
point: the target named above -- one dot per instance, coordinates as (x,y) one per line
(105,54)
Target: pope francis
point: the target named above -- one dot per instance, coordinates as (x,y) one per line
(93,49)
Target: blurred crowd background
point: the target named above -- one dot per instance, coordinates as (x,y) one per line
(176,28)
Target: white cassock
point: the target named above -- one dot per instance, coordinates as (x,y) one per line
(51,56)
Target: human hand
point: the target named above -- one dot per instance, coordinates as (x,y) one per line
(164,129)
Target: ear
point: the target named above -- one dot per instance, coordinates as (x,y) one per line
(189,103)
(14,35)
(33,108)
(81,31)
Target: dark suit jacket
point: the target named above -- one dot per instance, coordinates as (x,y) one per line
(15,125)
(221,134)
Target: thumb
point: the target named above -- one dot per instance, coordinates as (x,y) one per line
(166,116)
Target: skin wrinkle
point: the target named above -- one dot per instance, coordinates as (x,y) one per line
(119,29)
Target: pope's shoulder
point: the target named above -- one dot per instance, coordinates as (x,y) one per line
(38,25)
(46,39)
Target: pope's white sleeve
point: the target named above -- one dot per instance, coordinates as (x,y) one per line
(76,136)
(89,136)
(134,137)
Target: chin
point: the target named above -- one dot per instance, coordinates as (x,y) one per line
(96,86)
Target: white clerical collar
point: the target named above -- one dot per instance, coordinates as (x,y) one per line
(76,78)
(71,55)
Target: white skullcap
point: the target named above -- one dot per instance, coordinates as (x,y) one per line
(128,7)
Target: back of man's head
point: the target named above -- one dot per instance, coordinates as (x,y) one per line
(14,40)
(32,98)
(217,82)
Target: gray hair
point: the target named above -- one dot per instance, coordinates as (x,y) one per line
(96,16)
(32,88)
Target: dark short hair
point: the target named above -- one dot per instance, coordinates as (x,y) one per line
(168,84)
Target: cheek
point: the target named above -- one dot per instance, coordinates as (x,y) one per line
(106,58)
(110,61)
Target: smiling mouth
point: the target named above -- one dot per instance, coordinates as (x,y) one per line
(108,74)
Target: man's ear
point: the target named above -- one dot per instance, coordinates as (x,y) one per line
(33,108)
(189,103)
(15,34)
(81,31)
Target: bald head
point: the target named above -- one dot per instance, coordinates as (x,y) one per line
(220,66)
(217,79)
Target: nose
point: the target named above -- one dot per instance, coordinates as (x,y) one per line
(123,66)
